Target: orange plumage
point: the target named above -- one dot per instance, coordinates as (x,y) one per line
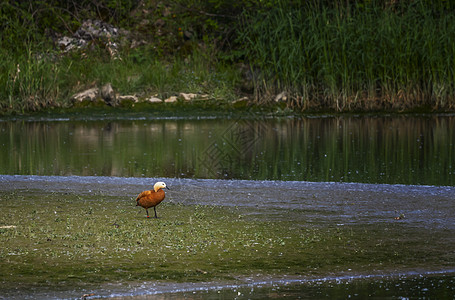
(152,198)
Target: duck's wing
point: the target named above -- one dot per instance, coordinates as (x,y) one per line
(143,194)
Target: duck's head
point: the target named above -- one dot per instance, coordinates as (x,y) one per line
(160,185)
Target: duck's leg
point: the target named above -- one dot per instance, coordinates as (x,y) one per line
(154,208)
(147,212)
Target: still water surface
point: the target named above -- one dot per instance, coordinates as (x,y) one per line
(407,150)
(417,150)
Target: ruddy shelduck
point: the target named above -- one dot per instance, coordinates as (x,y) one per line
(152,198)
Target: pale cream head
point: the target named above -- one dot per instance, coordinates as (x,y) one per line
(159,185)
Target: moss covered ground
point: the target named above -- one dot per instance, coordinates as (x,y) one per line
(82,240)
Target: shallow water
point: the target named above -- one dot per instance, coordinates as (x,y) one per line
(403,286)
(316,202)
(435,285)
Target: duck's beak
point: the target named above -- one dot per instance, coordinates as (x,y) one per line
(168,187)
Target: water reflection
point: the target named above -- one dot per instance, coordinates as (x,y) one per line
(408,150)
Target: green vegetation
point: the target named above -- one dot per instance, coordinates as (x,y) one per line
(32,84)
(324,55)
(50,239)
(355,57)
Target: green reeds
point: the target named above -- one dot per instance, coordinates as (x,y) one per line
(336,55)
(363,56)
(28,83)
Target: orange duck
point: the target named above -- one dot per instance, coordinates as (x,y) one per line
(152,198)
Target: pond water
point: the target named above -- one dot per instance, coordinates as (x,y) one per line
(407,163)
(407,150)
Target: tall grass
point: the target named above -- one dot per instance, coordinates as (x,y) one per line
(28,83)
(338,55)
(32,81)
(362,56)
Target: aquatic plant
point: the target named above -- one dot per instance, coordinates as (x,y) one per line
(352,56)
(29,83)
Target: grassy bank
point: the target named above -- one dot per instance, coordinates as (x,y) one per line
(71,241)
(32,84)
(320,56)
(359,56)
